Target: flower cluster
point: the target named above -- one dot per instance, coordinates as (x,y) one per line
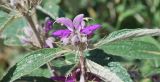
(47,27)
(76,31)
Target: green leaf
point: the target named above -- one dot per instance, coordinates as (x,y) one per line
(12,41)
(147,67)
(124,13)
(51,8)
(150,39)
(104,73)
(68,59)
(120,71)
(65,65)
(15,26)
(73,6)
(41,73)
(3,18)
(128,34)
(31,62)
(132,49)
(54,2)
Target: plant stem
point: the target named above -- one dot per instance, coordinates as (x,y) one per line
(82,65)
(37,35)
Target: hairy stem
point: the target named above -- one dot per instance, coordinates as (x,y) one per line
(37,35)
(83,69)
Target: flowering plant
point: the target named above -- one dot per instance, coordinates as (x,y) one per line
(64,50)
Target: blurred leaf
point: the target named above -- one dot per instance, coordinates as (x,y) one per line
(68,59)
(124,13)
(127,34)
(3,18)
(65,64)
(15,26)
(147,68)
(31,62)
(120,71)
(132,49)
(41,73)
(146,80)
(51,8)
(59,62)
(156,18)
(54,1)
(102,72)
(72,5)
(12,41)
(150,39)
(1,70)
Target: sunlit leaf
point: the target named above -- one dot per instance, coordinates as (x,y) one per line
(132,49)
(31,62)
(104,73)
(120,71)
(128,34)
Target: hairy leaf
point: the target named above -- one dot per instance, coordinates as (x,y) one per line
(31,62)
(128,33)
(41,73)
(120,71)
(132,49)
(104,73)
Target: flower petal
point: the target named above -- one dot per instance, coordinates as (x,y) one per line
(70,79)
(24,40)
(28,31)
(77,21)
(49,42)
(48,25)
(74,39)
(65,40)
(90,29)
(59,78)
(66,21)
(62,33)
(64,79)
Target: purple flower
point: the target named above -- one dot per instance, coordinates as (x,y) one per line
(26,39)
(64,79)
(90,29)
(48,25)
(76,29)
(49,42)
(62,33)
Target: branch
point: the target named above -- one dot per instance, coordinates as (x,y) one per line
(29,19)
